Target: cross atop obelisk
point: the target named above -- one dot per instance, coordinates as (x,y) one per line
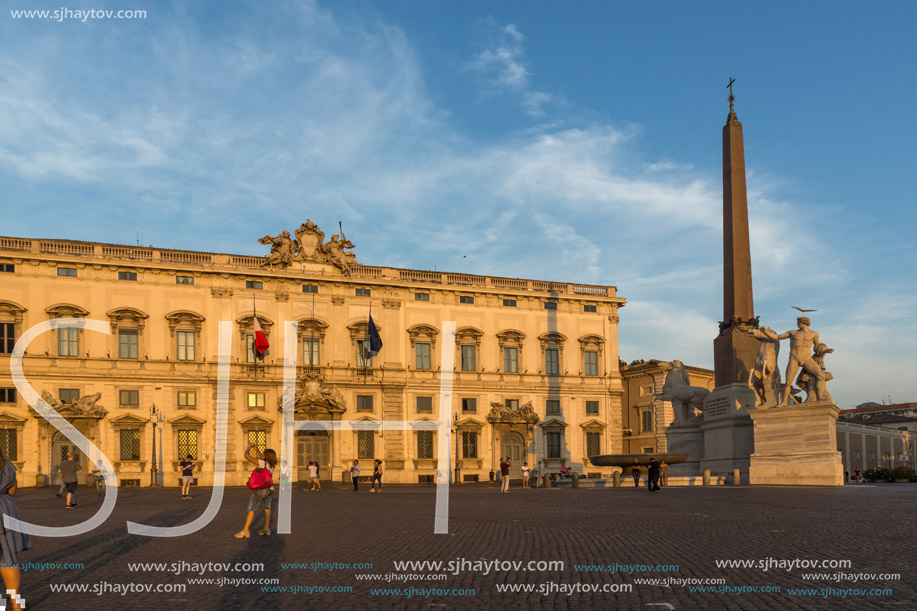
(734,350)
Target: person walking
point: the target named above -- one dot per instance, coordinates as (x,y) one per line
(187,475)
(635,471)
(260,496)
(11,541)
(664,474)
(504,472)
(525,474)
(68,471)
(377,476)
(355,475)
(653,476)
(63,487)
(314,484)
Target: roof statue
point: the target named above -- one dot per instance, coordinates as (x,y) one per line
(309,245)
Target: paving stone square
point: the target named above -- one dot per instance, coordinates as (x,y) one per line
(682,532)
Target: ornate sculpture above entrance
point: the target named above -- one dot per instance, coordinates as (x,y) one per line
(315,399)
(309,245)
(501,414)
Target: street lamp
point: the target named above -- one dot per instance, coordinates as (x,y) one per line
(154,418)
(458,469)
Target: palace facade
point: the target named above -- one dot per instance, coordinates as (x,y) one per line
(536,374)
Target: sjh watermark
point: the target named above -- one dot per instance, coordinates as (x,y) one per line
(66,14)
(289,426)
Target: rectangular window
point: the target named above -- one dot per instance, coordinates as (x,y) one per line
(7,268)
(9,443)
(131,276)
(259,438)
(310,355)
(590,308)
(511,359)
(185,345)
(470,405)
(593,444)
(249,348)
(509,303)
(186,399)
(550,305)
(592,407)
(366,444)
(129,398)
(7,337)
(553,442)
(184,279)
(68,395)
(127,343)
(130,444)
(364,356)
(424,444)
(466,299)
(363,292)
(856,455)
(364,403)
(468,358)
(469,444)
(552,406)
(7,395)
(310,288)
(421,296)
(422,350)
(254,284)
(66,271)
(187,444)
(646,391)
(646,421)
(68,343)
(256,400)
(512,404)
(424,404)
(552,361)
(592,363)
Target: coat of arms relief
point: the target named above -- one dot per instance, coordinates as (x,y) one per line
(309,245)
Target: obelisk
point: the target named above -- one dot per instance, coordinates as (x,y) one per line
(734,350)
(727,427)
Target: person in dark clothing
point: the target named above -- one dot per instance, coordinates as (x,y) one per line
(635,471)
(653,474)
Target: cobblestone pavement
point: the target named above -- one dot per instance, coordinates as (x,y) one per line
(872,526)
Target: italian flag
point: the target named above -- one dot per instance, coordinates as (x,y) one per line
(260,344)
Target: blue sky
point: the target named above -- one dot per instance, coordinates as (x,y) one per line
(562,141)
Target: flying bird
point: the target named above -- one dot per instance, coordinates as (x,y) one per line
(803,311)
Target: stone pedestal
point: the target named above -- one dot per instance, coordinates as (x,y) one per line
(686,438)
(728,432)
(796,445)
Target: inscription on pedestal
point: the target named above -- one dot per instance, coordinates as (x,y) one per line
(717,406)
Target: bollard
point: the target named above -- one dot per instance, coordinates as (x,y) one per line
(547,480)
(736,477)
(616,479)
(706,477)
(576,480)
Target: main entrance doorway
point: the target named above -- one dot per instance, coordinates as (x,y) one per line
(60,445)
(313,446)
(513,447)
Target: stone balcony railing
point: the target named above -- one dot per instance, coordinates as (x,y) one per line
(141,254)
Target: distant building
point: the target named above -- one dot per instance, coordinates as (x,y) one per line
(645,420)
(536,363)
(873,435)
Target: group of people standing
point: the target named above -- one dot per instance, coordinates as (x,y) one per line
(657,474)
(505,464)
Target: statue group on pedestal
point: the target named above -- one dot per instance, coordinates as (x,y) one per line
(807,358)
(687,400)
(309,245)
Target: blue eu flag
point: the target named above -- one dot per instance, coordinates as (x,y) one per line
(375,340)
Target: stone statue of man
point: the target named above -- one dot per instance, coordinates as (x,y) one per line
(802,341)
